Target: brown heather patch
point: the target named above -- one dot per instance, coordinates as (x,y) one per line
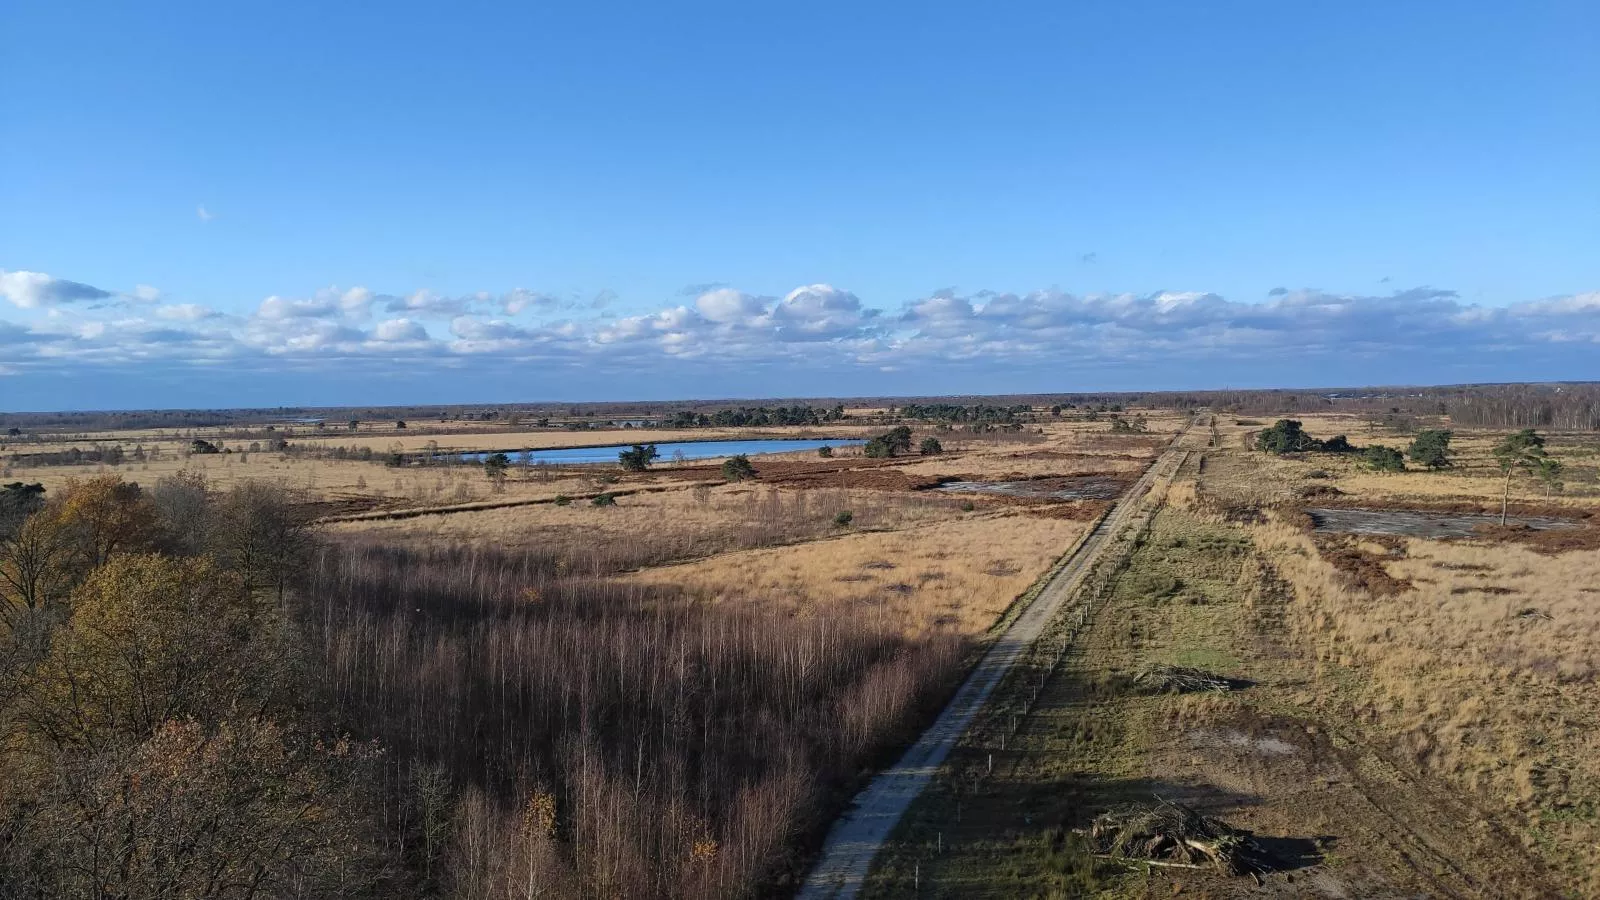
(1078,455)
(1064,481)
(873,479)
(1463,567)
(777,470)
(1547,541)
(343,504)
(1322,493)
(1361,568)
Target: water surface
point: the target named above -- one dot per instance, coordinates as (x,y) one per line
(1421,523)
(670,450)
(1088,487)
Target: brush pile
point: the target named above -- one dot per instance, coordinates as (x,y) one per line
(1175,835)
(1181,680)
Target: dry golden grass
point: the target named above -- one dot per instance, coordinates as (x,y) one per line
(1010,466)
(1064,448)
(956,575)
(1237,477)
(1477,476)
(1484,672)
(1252,477)
(331,480)
(951,569)
(367,427)
(1485,669)
(649,528)
(224,470)
(328,478)
(1003,467)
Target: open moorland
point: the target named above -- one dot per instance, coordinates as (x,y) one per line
(1377,688)
(515,678)
(327,655)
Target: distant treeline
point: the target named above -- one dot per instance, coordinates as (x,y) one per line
(982,412)
(113,455)
(1560,406)
(116,454)
(757,417)
(1568,407)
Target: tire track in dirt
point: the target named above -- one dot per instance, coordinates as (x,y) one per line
(1415,808)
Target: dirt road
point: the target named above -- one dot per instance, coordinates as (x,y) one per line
(858,834)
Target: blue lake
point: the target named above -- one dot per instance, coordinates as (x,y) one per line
(669,450)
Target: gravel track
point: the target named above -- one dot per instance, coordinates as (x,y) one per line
(860,832)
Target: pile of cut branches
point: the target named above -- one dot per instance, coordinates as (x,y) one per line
(1170,834)
(1181,680)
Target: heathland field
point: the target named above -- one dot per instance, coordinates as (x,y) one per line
(1390,715)
(587,680)
(406,673)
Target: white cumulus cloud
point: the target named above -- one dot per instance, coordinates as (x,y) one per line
(33,290)
(814,327)
(399,330)
(184,312)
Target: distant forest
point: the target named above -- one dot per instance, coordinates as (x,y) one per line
(1566,406)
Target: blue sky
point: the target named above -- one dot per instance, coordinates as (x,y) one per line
(214,204)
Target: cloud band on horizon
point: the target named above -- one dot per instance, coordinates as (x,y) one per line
(814,327)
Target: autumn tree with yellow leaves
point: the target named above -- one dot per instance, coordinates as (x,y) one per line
(45,554)
(153,639)
(154,740)
(105,515)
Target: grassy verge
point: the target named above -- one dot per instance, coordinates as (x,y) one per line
(1071,737)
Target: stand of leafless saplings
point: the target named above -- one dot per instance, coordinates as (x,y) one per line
(202,698)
